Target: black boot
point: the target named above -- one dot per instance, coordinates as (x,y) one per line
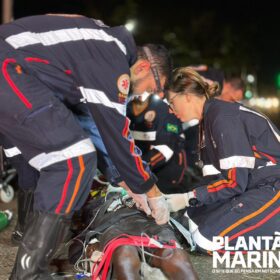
(41,239)
(24,209)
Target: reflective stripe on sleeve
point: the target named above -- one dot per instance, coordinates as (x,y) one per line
(210,169)
(55,37)
(12,152)
(144,136)
(165,150)
(99,97)
(237,161)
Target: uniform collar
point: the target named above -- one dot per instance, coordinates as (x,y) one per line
(206,106)
(141,97)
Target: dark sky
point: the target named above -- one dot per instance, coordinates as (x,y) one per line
(237,33)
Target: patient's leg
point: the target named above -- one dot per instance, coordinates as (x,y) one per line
(175,264)
(126,263)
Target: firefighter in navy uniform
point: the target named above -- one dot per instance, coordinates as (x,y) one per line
(158,134)
(240,152)
(42,76)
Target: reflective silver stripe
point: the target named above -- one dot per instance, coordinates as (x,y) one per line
(270,163)
(192,225)
(237,161)
(99,97)
(165,150)
(190,123)
(80,148)
(184,232)
(61,36)
(12,152)
(205,243)
(143,97)
(210,170)
(144,136)
(260,115)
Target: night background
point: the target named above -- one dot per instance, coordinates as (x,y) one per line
(239,37)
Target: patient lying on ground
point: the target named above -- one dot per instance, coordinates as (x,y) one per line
(121,240)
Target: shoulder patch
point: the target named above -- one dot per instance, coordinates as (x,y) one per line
(172,128)
(150,116)
(123,83)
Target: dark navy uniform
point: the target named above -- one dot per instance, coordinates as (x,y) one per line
(158,134)
(241,154)
(29,175)
(49,64)
(81,60)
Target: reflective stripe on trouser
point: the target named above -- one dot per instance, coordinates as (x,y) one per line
(27,175)
(69,186)
(254,213)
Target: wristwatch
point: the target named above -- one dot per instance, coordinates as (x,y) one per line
(193,202)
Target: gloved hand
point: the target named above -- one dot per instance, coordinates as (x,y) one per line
(141,201)
(159,208)
(178,201)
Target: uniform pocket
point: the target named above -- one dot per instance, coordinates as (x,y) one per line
(53,126)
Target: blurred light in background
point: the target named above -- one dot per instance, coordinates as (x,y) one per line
(278,81)
(248,94)
(250,78)
(130,25)
(265,103)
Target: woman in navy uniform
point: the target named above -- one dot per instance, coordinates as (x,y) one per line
(240,154)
